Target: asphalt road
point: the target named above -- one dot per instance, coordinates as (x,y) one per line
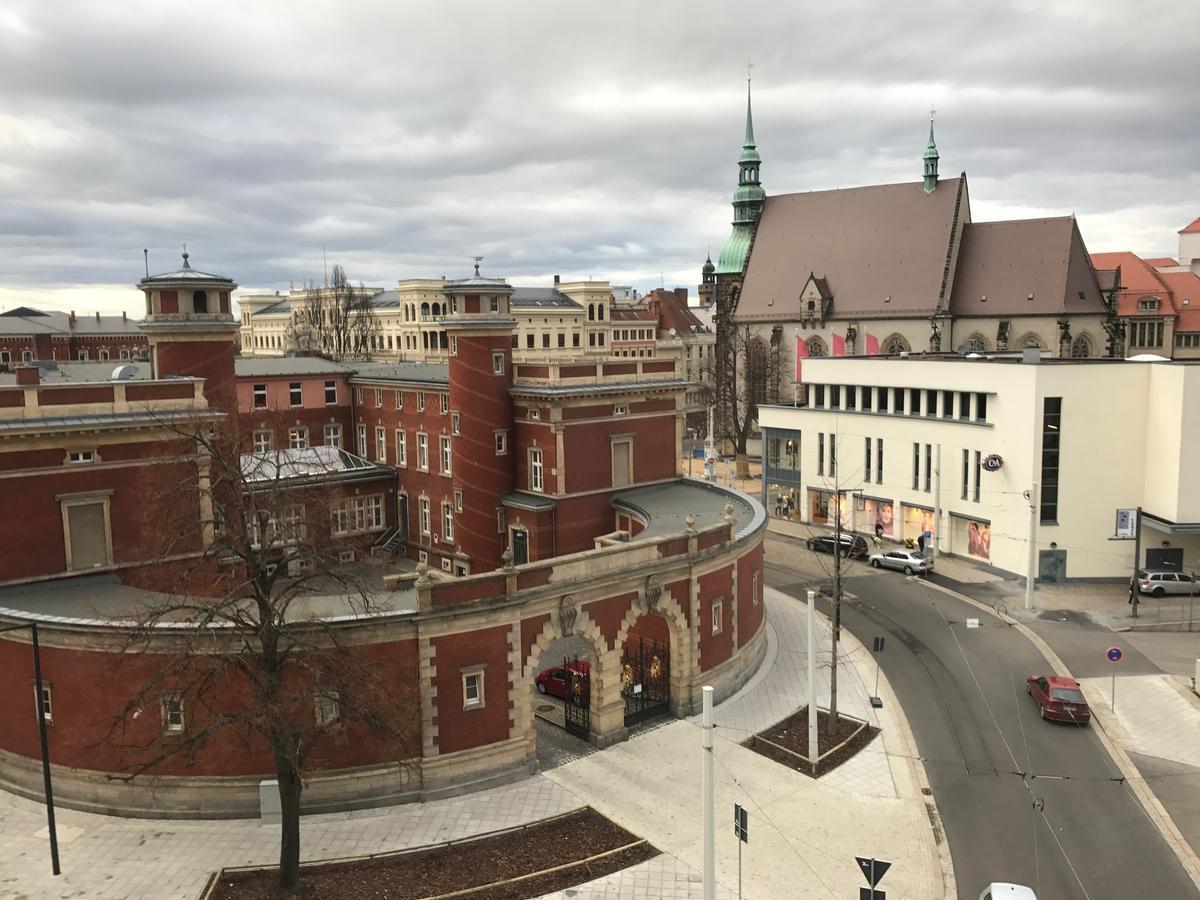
(1022,800)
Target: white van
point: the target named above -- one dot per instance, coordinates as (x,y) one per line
(1003,891)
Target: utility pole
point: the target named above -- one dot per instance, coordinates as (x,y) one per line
(837,600)
(812,675)
(1030,572)
(710,860)
(937,502)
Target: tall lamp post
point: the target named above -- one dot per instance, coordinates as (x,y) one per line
(41,711)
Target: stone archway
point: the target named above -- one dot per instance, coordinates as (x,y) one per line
(682,640)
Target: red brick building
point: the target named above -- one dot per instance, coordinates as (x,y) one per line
(543,502)
(29,335)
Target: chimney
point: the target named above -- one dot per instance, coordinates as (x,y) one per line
(556,279)
(29,375)
(71,319)
(97,315)
(124,317)
(681,294)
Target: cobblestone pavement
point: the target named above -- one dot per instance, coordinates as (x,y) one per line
(144,859)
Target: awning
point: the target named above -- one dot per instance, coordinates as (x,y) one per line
(1158,523)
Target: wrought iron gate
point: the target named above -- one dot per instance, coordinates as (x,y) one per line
(577,698)
(645,679)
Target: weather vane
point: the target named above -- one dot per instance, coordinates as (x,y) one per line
(932,113)
(478,260)
(749,66)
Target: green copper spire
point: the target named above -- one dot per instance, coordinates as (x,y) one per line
(930,158)
(748,201)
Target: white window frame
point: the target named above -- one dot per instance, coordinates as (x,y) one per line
(46,701)
(444,403)
(473,685)
(454,345)
(447,523)
(295,393)
(362,441)
(535,414)
(380,443)
(83,356)
(264,441)
(379,398)
(398,399)
(401,448)
(458,501)
(102,354)
(331,386)
(620,410)
(332,435)
(259,394)
(455,423)
(446,454)
(537,481)
(420,401)
(124,353)
(422,451)
(26,356)
(170,705)
(501,442)
(297,437)
(718,615)
(81,457)
(426,516)
(497,363)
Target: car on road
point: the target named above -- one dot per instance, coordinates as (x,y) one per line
(554,681)
(909,562)
(1003,891)
(1059,698)
(1158,582)
(851,544)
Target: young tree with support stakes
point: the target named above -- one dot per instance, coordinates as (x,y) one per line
(238,652)
(336,320)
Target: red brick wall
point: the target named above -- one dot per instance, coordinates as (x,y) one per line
(609,613)
(210,360)
(715,648)
(460,729)
(12,397)
(62,396)
(750,614)
(589,457)
(169,391)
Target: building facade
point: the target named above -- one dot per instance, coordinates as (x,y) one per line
(32,335)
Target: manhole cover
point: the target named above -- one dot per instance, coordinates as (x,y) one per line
(545,707)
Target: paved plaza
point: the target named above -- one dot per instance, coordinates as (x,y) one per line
(804,834)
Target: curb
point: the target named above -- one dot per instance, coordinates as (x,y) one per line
(1151,805)
(941,846)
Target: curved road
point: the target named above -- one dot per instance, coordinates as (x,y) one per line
(1021,799)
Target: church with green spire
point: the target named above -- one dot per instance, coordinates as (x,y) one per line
(747,202)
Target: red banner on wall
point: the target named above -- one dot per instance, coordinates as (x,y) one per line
(801,354)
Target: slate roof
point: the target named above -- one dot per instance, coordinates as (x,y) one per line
(264,367)
(185,273)
(868,243)
(435,373)
(54,322)
(84,372)
(1007,262)
(541,298)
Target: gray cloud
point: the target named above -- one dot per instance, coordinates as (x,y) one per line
(592,139)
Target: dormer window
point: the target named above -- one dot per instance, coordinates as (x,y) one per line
(199,302)
(1148,304)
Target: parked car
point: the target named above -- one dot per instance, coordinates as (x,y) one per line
(851,544)
(907,561)
(1157,582)
(554,681)
(1059,698)
(1004,891)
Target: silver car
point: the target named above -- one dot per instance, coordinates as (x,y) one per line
(907,561)
(1158,582)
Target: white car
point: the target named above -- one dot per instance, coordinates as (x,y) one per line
(1004,891)
(907,561)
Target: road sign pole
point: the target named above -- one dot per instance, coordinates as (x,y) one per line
(1114,691)
(710,861)
(812,676)
(739,870)
(1113,655)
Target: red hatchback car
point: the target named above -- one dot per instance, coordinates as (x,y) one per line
(554,681)
(1059,698)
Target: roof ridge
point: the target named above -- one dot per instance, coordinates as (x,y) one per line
(860,187)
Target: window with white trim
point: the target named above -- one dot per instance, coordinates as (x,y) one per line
(422,451)
(333,435)
(501,443)
(426,516)
(378,398)
(380,443)
(47,702)
(172,710)
(455,421)
(83,356)
(358,397)
(356,515)
(260,396)
(718,611)
(102,355)
(620,410)
(398,399)
(535,470)
(330,393)
(420,401)
(446,458)
(295,394)
(447,523)
(497,363)
(362,441)
(81,457)
(458,501)
(401,447)
(263,441)
(534,414)
(444,403)
(453,345)
(472,685)
(124,353)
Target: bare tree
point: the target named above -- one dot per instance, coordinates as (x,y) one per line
(337,320)
(741,388)
(249,560)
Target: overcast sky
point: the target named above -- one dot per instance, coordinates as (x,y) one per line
(595,139)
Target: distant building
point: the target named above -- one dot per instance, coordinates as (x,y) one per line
(29,335)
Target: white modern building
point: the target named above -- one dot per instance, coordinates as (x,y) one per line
(953,446)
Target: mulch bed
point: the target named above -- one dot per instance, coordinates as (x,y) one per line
(467,864)
(792,733)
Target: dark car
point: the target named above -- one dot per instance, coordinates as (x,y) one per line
(1059,698)
(851,545)
(554,681)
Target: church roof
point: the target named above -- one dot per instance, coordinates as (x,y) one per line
(1024,267)
(882,250)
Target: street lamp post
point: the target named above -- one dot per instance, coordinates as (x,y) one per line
(41,711)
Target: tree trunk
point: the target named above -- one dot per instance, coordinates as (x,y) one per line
(743,466)
(290,788)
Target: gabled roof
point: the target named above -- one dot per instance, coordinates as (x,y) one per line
(1161,262)
(1024,267)
(674,313)
(24,311)
(59,323)
(1185,295)
(1191,228)
(881,249)
(637,313)
(1137,279)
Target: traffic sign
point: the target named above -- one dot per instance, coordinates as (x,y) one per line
(873,869)
(741,824)
(1113,654)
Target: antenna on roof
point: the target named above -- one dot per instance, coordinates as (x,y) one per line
(478,260)
(146,255)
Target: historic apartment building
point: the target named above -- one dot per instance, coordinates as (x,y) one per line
(956,446)
(29,334)
(539,500)
(895,268)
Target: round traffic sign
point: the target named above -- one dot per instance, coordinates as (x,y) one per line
(1114,654)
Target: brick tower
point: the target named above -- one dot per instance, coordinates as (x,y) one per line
(480,329)
(191,328)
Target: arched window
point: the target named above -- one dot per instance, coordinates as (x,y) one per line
(816,347)
(756,372)
(199,302)
(591,312)
(424,310)
(1030,341)
(976,343)
(1081,347)
(600,312)
(895,344)
(424,340)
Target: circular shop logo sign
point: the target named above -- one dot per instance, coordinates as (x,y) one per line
(992,462)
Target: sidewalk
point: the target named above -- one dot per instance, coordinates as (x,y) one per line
(804,834)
